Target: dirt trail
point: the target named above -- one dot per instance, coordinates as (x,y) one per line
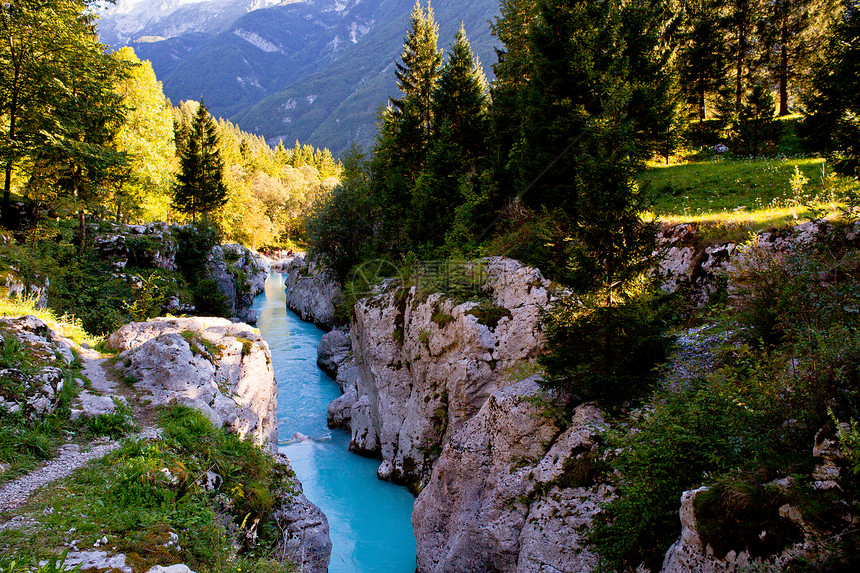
(71,456)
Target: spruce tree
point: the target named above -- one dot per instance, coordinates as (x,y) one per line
(832,122)
(418,73)
(199,187)
(460,100)
(405,129)
(702,63)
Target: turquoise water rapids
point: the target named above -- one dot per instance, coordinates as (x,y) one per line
(370,524)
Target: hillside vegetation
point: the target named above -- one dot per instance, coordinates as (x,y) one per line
(605,121)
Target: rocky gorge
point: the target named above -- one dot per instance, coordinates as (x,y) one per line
(445,394)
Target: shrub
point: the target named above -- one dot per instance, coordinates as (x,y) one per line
(116,424)
(604,353)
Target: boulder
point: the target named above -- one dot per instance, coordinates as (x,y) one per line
(221,368)
(305,532)
(333,350)
(35,392)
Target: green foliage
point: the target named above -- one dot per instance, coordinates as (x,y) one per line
(603,352)
(727,424)
(756,130)
(489,314)
(149,300)
(832,111)
(195,243)
(117,424)
(58,106)
(738,515)
(147,136)
(86,287)
(343,226)
(149,489)
(27,440)
(200,186)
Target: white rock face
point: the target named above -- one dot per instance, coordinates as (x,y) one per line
(312,292)
(37,393)
(224,261)
(702,268)
(498,499)
(426,365)
(333,350)
(221,368)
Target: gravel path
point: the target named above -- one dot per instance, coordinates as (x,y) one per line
(72,456)
(15,493)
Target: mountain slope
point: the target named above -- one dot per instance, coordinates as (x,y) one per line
(338,105)
(314,71)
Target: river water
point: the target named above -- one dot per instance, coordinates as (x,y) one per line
(369,519)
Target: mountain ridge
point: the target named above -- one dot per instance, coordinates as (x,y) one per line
(314,71)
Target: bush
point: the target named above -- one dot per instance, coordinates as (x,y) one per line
(604,353)
(342,227)
(117,424)
(194,243)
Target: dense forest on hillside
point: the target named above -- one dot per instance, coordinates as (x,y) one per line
(90,133)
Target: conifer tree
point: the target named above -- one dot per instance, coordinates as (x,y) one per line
(418,74)
(743,22)
(833,109)
(792,32)
(460,100)
(702,63)
(199,187)
(512,70)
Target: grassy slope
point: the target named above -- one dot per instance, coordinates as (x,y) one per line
(752,194)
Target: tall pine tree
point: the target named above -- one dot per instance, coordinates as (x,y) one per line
(701,59)
(405,128)
(832,122)
(199,187)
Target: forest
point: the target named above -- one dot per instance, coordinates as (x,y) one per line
(605,121)
(88,133)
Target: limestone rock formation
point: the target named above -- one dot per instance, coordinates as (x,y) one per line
(34,393)
(502,496)
(426,364)
(240,273)
(333,350)
(305,528)
(690,262)
(312,292)
(222,368)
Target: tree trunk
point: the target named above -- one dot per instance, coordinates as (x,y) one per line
(783,73)
(7,193)
(6,215)
(741,56)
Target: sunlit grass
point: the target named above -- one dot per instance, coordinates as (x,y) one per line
(67,325)
(742,196)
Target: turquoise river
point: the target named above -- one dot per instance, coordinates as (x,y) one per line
(370,524)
